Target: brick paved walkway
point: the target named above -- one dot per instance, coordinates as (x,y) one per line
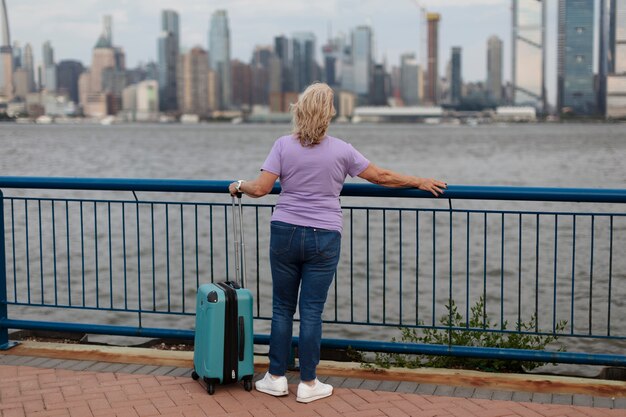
(48,387)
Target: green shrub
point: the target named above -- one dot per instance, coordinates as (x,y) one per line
(479,338)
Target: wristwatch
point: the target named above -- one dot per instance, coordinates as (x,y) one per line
(238,186)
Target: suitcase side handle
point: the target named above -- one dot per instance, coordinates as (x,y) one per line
(242,338)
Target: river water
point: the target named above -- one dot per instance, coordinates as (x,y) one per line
(547,155)
(573,155)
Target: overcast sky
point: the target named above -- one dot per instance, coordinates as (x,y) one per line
(73,26)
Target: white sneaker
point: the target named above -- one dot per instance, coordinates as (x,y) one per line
(272,386)
(306,393)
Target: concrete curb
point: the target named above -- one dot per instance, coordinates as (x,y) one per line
(449,377)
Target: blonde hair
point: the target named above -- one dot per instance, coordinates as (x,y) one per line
(312,114)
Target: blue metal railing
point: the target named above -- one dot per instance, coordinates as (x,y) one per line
(109,264)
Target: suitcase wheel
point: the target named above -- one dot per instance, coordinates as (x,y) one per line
(195,376)
(247,384)
(210,384)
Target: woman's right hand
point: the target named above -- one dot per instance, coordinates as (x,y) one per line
(232,189)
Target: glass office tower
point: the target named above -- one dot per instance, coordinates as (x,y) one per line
(529,53)
(48,67)
(168,51)
(494,68)
(362,59)
(619,36)
(303,63)
(456,78)
(616,80)
(409,80)
(219,56)
(575,57)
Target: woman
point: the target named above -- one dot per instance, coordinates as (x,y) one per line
(306,231)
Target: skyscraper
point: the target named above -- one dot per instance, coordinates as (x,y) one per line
(362,60)
(616,7)
(168,50)
(618,40)
(275,74)
(103,55)
(334,56)
(68,72)
(281,47)
(529,53)
(281,50)
(20,75)
(303,60)
(48,67)
(100,88)
(260,68)
(432,74)
(4,20)
(381,86)
(575,57)
(494,69)
(219,56)
(47,54)
(29,65)
(6,55)
(456,82)
(17,55)
(603,54)
(193,82)
(20,83)
(106,38)
(616,80)
(242,84)
(409,79)
(331,53)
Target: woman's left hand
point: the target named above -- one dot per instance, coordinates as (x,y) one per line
(432,185)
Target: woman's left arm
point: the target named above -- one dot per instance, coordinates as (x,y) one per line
(257,187)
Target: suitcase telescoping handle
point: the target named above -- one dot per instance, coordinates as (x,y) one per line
(240,247)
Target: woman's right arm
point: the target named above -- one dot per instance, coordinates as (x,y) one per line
(388,178)
(257,187)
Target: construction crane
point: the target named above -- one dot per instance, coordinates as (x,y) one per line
(422,49)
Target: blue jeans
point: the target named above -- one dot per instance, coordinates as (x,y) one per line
(305,259)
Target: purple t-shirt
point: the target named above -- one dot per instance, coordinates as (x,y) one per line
(311,179)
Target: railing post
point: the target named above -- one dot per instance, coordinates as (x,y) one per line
(4,331)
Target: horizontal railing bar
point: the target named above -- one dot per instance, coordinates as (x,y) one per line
(129,201)
(371,208)
(468,329)
(475,211)
(477,352)
(463,192)
(335,322)
(482,211)
(362,345)
(98,329)
(95,308)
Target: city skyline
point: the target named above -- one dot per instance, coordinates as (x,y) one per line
(395,28)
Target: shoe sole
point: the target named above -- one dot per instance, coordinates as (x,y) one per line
(311,399)
(274,393)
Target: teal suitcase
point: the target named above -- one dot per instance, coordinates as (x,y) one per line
(223,345)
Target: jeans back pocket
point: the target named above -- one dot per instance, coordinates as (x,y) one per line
(327,242)
(280,237)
